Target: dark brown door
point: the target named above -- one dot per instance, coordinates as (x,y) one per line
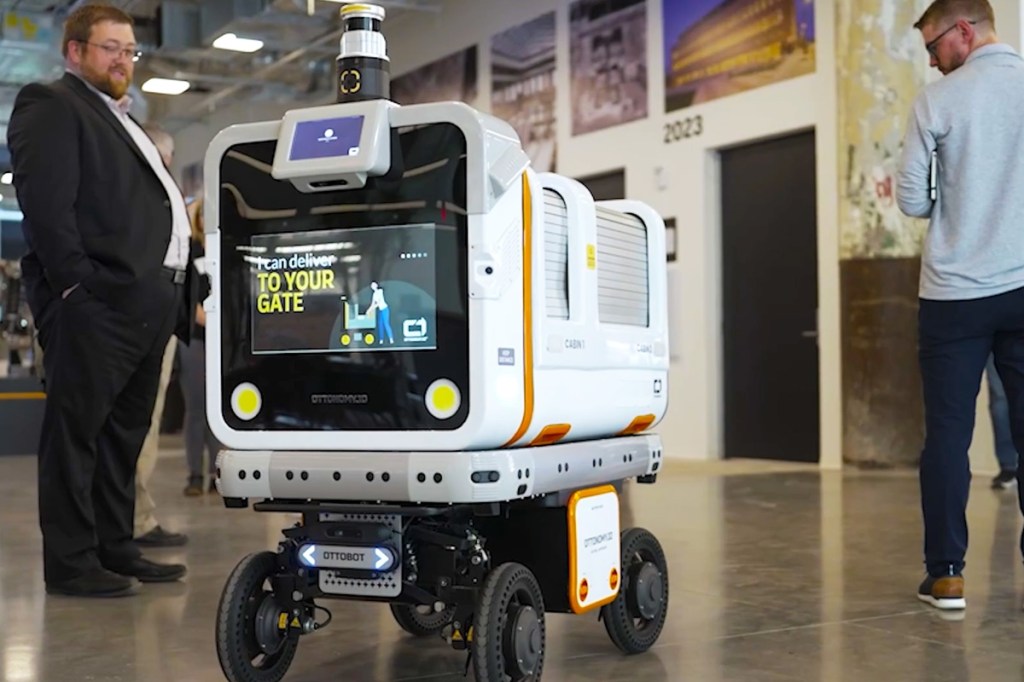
(770,300)
(606,186)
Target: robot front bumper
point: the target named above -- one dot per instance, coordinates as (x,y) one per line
(470,477)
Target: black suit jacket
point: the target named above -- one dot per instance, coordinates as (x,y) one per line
(96,214)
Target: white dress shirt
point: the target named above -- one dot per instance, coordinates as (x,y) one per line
(181,231)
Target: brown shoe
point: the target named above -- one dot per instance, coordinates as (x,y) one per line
(943,592)
(158,537)
(194,488)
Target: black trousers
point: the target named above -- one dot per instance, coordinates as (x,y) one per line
(102,374)
(955,339)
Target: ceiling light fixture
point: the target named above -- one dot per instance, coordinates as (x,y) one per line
(229,41)
(165,86)
(7,178)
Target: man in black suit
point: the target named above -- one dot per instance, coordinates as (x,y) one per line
(107,282)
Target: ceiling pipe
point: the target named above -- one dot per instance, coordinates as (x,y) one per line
(206,104)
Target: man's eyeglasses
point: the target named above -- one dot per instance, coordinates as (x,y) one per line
(932,46)
(116,50)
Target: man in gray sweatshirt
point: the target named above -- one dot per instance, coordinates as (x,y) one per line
(962,167)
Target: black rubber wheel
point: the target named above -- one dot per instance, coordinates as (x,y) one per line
(508,627)
(635,619)
(421,621)
(250,646)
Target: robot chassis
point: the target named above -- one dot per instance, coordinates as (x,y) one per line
(480,571)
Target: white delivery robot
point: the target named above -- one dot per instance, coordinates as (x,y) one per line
(446,363)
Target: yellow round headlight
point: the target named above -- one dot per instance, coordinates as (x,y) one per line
(246,401)
(443,399)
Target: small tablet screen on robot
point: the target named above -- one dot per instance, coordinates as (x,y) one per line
(326,138)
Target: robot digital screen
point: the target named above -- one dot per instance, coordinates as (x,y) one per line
(344,290)
(297,288)
(326,138)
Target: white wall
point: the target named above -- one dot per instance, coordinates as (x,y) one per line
(692,429)
(1008,20)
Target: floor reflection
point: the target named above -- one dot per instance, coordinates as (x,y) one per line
(777,573)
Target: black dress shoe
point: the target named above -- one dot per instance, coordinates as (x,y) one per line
(149,571)
(158,537)
(97,583)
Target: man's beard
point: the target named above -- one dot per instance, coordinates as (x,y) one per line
(955,63)
(116,88)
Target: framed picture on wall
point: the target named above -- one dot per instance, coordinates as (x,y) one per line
(670,239)
(523,86)
(607,63)
(768,41)
(450,79)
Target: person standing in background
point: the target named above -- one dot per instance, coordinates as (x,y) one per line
(999,411)
(148,531)
(198,436)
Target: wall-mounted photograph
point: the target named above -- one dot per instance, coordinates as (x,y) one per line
(716,48)
(523,86)
(452,78)
(608,63)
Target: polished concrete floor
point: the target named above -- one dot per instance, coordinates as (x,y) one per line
(777,573)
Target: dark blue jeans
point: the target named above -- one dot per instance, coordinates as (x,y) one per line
(955,339)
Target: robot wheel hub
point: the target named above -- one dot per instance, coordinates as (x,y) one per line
(523,642)
(269,636)
(648,590)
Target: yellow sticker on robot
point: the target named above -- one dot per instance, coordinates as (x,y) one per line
(591,256)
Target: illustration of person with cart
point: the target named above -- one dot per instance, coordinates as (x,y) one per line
(383,313)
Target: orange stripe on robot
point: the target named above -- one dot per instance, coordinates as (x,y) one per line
(551,434)
(23,396)
(639,424)
(524,425)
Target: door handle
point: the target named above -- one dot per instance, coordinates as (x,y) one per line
(813,333)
